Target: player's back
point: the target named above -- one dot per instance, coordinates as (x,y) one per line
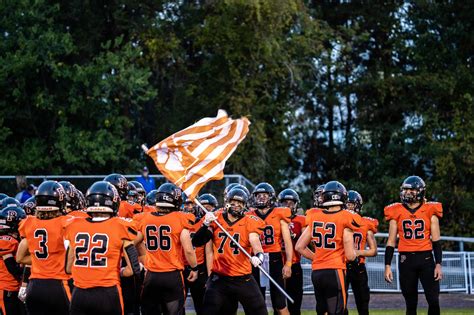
(8,245)
(161,234)
(98,249)
(327,236)
(46,245)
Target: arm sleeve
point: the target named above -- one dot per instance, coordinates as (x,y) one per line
(22,229)
(437,210)
(202,236)
(374,226)
(285,214)
(187,220)
(255,225)
(389,213)
(13,267)
(354,221)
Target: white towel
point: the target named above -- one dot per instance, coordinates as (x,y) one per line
(264,281)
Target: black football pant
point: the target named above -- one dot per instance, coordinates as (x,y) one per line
(357,276)
(276,272)
(163,293)
(221,290)
(197,287)
(294,288)
(131,289)
(330,291)
(10,304)
(98,300)
(47,296)
(414,266)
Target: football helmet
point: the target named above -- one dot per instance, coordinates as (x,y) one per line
(120,182)
(151,198)
(169,196)
(50,196)
(239,195)
(102,197)
(289,194)
(354,201)
(72,198)
(317,196)
(9,201)
(10,217)
(29,206)
(263,195)
(334,194)
(141,192)
(208,199)
(227,189)
(415,183)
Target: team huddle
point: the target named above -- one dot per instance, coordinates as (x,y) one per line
(118,250)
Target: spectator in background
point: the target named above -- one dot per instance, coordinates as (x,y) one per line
(26,194)
(147,182)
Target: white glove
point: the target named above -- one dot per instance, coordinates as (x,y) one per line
(22,294)
(257,260)
(209,218)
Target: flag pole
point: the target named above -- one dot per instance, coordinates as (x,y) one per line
(196,201)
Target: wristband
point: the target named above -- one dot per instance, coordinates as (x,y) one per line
(289,264)
(195,268)
(260,256)
(389,250)
(438,253)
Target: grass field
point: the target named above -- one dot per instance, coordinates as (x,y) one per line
(402,312)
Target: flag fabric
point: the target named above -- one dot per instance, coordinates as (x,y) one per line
(195,155)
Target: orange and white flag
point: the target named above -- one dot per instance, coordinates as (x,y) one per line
(195,155)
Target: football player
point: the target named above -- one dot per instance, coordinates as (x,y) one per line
(289,198)
(165,233)
(42,247)
(97,244)
(231,278)
(74,203)
(330,231)
(416,222)
(29,206)
(10,271)
(141,193)
(275,233)
(356,272)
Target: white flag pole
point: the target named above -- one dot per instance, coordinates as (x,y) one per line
(246,253)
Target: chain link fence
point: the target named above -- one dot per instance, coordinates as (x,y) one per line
(458,273)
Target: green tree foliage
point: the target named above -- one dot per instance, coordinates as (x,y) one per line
(367,94)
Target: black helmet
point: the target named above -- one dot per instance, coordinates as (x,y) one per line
(227,189)
(416,183)
(102,197)
(3,196)
(243,188)
(120,182)
(169,196)
(72,197)
(355,198)
(208,199)
(29,206)
(317,196)
(141,191)
(50,196)
(151,197)
(9,201)
(238,195)
(334,194)
(81,201)
(264,188)
(132,191)
(290,194)
(10,217)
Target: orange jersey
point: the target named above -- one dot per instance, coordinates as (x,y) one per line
(200,251)
(148,208)
(161,235)
(8,245)
(46,246)
(414,228)
(128,209)
(78,214)
(296,226)
(360,234)
(327,231)
(271,238)
(97,247)
(228,258)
